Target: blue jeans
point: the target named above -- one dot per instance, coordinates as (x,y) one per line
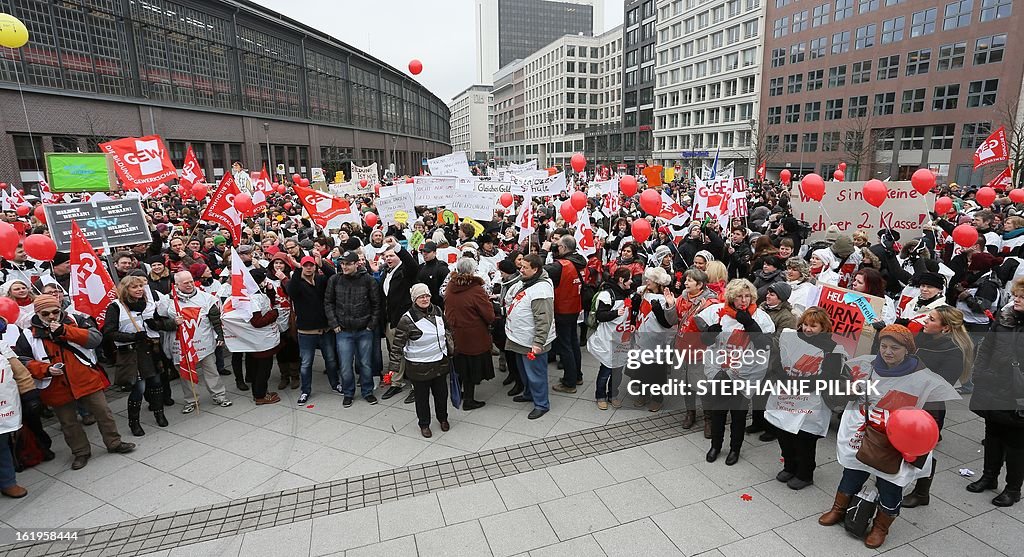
(535,377)
(138,390)
(608,381)
(567,346)
(890,495)
(307,349)
(7,478)
(356,345)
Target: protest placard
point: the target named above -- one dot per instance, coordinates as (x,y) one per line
(455,164)
(905,210)
(316,174)
(368,173)
(434,191)
(105,224)
(403,201)
(539,186)
(483,184)
(471,202)
(76,172)
(851,314)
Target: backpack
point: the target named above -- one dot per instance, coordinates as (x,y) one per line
(26,450)
(592,314)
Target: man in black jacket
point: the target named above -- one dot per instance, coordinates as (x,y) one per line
(396,284)
(353,303)
(432,273)
(307,290)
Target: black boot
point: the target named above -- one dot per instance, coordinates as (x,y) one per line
(920,497)
(988,480)
(156,405)
(1007,498)
(134,409)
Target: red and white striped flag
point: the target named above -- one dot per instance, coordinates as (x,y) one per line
(262,190)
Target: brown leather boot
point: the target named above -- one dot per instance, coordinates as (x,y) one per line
(879,529)
(707,424)
(838,512)
(689,418)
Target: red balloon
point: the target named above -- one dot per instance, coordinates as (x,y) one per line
(985,196)
(506,199)
(288,206)
(279,188)
(363,182)
(813,186)
(785,176)
(579,200)
(923,180)
(304,182)
(243,203)
(568,212)
(40,247)
(9,310)
(875,192)
(912,431)
(371,219)
(839,175)
(296,177)
(842,166)
(641,230)
(415,67)
(200,191)
(627,185)
(965,235)
(650,201)
(410,180)
(40,213)
(24,210)
(8,240)
(578,162)
(944,204)
(1017,196)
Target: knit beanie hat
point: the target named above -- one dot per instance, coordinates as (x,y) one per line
(826,256)
(782,290)
(900,334)
(832,234)
(708,258)
(45,301)
(419,289)
(843,247)
(929,278)
(197,270)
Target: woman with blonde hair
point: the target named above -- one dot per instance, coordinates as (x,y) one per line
(718,275)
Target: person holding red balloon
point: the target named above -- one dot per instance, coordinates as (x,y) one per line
(897,451)
(19,291)
(998,391)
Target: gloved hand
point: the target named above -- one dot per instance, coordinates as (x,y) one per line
(716,328)
(141,336)
(878,325)
(744,317)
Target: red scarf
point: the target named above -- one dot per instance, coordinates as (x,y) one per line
(729,310)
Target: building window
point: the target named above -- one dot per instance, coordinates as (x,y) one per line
(830,141)
(815,80)
(778,57)
(793,114)
(861,72)
(774,115)
(789,142)
(810,143)
(957,14)
(867,6)
(840,42)
(951,56)
(65,144)
(892,30)
(946,97)
(989,50)
(796,53)
(800,21)
(974,133)
(923,23)
(781,26)
(844,9)
(995,9)
(749,57)
(837,76)
(913,101)
(982,93)
(775,87)
(732,34)
(834,109)
(858,107)
(818,47)
(866,36)
(942,136)
(795,83)
(912,138)
(772,142)
(29,152)
(918,61)
(885,103)
(888,67)
(750,29)
(812,111)
(821,14)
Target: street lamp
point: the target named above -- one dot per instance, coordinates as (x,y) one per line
(270,161)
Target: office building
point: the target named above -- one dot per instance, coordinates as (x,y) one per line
(472,123)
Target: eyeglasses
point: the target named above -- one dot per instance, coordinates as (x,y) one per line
(48,313)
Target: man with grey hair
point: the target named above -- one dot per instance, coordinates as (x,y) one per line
(566,275)
(199,314)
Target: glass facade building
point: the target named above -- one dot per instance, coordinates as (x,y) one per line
(527,25)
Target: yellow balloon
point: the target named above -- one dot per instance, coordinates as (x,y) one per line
(13,33)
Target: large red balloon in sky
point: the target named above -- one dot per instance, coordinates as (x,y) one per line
(415,67)
(875,192)
(627,185)
(813,186)
(40,247)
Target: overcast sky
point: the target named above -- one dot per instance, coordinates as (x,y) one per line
(437,32)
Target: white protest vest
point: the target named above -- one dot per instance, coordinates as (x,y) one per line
(793,412)
(732,339)
(431,346)
(519,324)
(196,308)
(241,336)
(10,399)
(914,389)
(649,333)
(284,306)
(39,352)
(135,321)
(610,341)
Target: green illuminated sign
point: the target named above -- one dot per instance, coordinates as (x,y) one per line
(77,172)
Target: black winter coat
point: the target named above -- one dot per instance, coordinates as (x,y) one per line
(352,302)
(998,382)
(397,300)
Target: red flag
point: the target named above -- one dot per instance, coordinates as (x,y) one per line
(186,332)
(323,208)
(762,170)
(1004,181)
(92,290)
(221,209)
(994,149)
(264,187)
(191,171)
(142,163)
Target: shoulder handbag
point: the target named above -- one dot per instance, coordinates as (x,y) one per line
(859,512)
(875,449)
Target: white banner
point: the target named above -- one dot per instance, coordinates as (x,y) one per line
(397,201)
(517,168)
(471,202)
(434,191)
(539,186)
(350,188)
(602,187)
(368,173)
(455,164)
(904,210)
(483,184)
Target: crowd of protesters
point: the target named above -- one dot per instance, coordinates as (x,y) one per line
(400,308)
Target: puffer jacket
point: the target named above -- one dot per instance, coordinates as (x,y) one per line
(998,383)
(405,331)
(353,301)
(78,379)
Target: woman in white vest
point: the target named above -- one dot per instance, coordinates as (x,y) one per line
(610,341)
(255,333)
(654,320)
(133,326)
(422,345)
(807,354)
(10,418)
